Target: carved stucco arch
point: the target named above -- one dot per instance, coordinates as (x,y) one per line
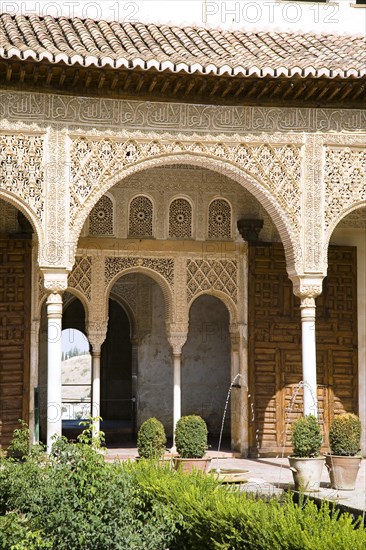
(15,201)
(159,279)
(290,236)
(351,208)
(77,294)
(224,298)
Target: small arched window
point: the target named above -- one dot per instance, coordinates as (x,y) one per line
(180,219)
(219,219)
(101,218)
(141,217)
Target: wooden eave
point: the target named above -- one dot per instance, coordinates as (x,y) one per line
(153,85)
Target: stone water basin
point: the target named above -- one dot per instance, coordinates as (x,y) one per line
(231,475)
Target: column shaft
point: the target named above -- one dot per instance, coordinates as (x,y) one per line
(309,355)
(177,412)
(54,396)
(96,389)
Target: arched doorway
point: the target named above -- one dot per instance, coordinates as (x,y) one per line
(206,365)
(136,369)
(117,402)
(16,381)
(344,295)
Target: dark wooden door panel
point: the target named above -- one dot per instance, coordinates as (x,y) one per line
(275,365)
(15,295)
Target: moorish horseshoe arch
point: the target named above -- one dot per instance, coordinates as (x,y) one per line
(159,279)
(28,213)
(224,298)
(351,208)
(249,173)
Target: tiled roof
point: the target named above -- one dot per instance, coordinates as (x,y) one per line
(189,49)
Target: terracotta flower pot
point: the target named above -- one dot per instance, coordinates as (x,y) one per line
(306,472)
(343,471)
(190,464)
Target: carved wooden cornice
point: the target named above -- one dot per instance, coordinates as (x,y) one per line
(153,85)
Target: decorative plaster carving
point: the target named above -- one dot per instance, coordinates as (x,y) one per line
(22,169)
(276,168)
(80,277)
(219,220)
(115,265)
(141,217)
(174,117)
(206,275)
(307,287)
(345,182)
(101,217)
(180,219)
(55,282)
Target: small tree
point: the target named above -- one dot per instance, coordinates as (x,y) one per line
(191,437)
(345,435)
(306,437)
(151,439)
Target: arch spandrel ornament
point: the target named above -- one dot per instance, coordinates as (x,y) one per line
(345,185)
(271,172)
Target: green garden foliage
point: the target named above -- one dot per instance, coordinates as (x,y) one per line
(345,435)
(191,436)
(151,439)
(306,437)
(74,500)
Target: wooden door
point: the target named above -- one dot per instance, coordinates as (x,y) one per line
(15,295)
(275,367)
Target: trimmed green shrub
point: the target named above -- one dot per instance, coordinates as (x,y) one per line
(151,439)
(191,437)
(306,437)
(20,443)
(345,435)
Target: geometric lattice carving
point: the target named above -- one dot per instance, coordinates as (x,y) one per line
(141,217)
(80,277)
(219,220)
(115,265)
(345,180)
(276,167)
(203,275)
(101,217)
(356,219)
(180,219)
(21,169)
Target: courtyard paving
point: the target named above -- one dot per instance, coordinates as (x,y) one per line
(270,476)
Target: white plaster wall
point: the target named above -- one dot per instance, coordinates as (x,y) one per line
(155,367)
(357,237)
(206,363)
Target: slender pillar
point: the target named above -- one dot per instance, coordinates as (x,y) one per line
(54,397)
(309,355)
(177,341)
(307,288)
(97,332)
(177,396)
(96,388)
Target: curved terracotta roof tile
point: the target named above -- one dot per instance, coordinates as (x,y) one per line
(189,49)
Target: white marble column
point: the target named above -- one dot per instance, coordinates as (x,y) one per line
(177,341)
(307,289)
(54,349)
(97,332)
(55,283)
(309,355)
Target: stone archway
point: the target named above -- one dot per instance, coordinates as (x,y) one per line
(16,255)
(206,364)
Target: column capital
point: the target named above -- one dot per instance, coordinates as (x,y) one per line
(177,338)
(307,288)
(97,332)
(55,281)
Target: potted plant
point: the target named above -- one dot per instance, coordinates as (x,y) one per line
(343,462)
(306,463)
(191,443)
(151,439)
